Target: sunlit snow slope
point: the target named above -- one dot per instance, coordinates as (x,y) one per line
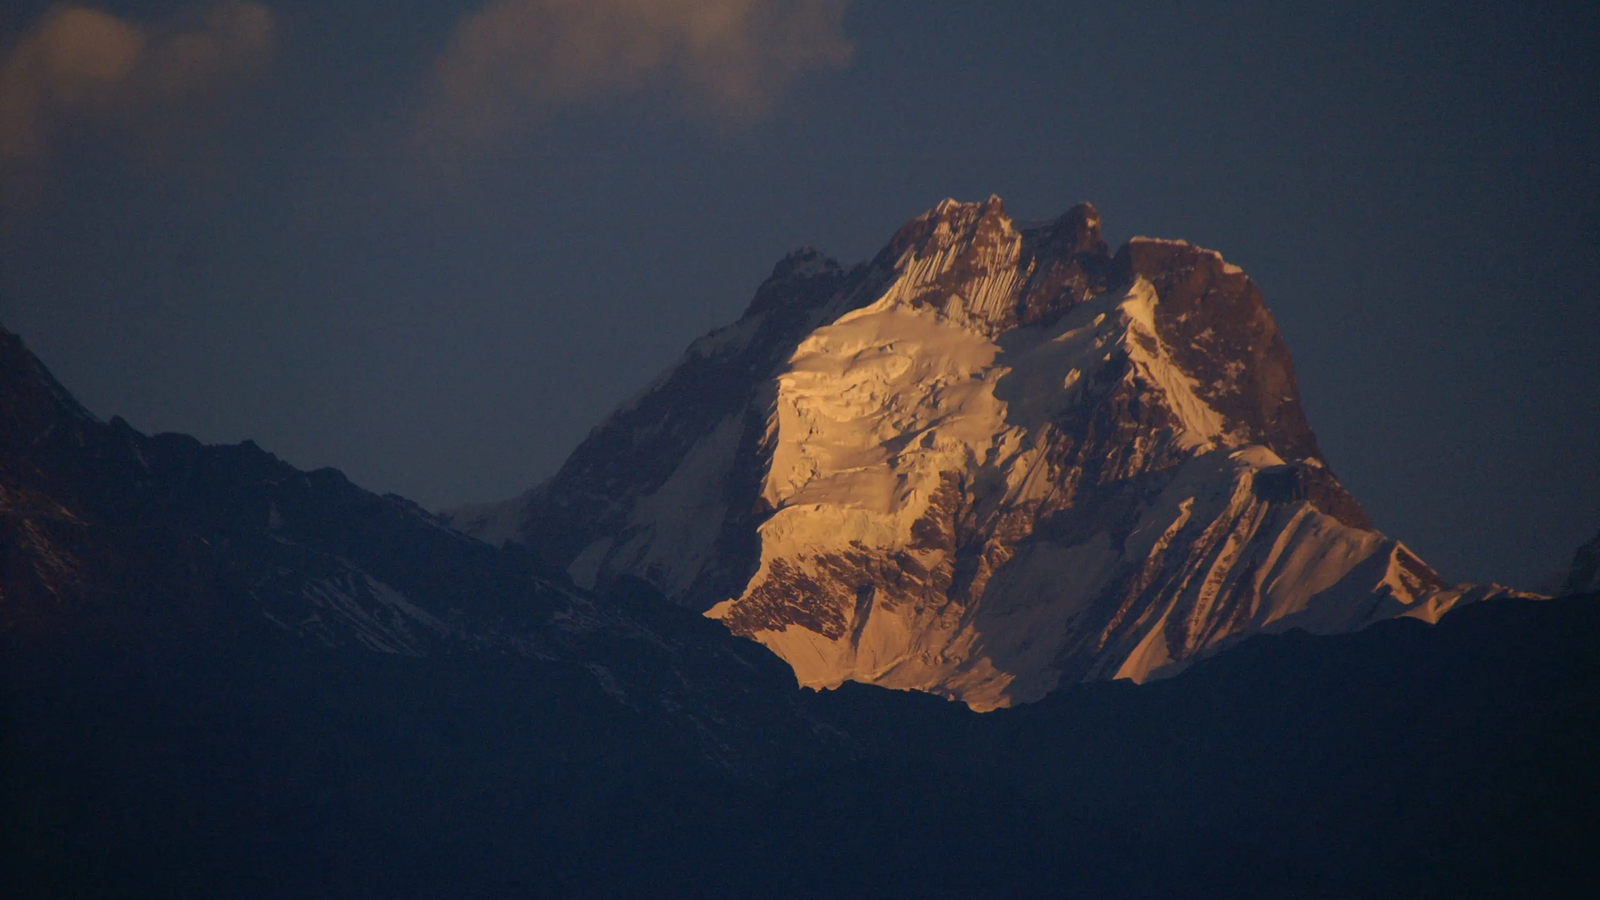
(988,460)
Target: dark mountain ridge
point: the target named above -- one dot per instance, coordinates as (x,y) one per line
(222,676)
(162,547)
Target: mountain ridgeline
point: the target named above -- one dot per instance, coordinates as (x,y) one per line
(158,554)
(992,459)
(986,462)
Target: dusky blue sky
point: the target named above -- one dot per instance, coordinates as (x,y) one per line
(261,246)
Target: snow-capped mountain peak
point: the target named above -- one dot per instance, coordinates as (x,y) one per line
(992,458)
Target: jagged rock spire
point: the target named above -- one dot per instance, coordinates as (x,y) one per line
(1081,226)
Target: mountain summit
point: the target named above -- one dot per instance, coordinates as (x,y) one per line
(990,459)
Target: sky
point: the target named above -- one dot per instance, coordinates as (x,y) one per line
(433,246)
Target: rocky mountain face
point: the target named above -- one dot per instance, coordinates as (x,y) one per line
(992,459)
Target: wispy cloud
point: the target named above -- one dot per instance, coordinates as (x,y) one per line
(513,61)
(82,69)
